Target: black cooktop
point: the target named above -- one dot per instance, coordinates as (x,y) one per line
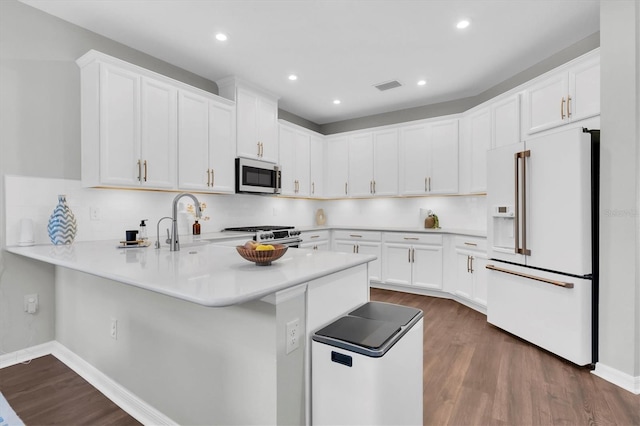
(257,228)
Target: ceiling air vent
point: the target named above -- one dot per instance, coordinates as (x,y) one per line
(388,85)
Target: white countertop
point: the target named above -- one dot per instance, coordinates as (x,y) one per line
(416,229)
(206,274)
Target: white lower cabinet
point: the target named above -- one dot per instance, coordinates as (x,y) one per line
(470,279)
(363,242)
(412,260)
(316,240)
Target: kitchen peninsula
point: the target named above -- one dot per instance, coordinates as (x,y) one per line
(200,334)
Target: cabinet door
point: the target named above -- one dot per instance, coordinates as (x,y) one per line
(475,141)
(247,124)
(288,160)
(302,164)
(343,246)
(414,154)
(368,247)
(385,162)
(506,121)
(361,165)
(397,264)
(464,278)
(119,127)
(316,162)
(544,103)
(193,142)
(222,148)
(427,266)
(158,134)
(584,87)
(479,272)
(337,167)
(443,178)
(267,133)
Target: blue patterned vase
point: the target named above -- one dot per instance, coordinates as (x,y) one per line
(62,223)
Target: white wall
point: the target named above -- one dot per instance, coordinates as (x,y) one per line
(620,165)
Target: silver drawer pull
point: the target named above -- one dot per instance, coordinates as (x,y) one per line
(470,244)
(314,236)
(355,235)
(412,238)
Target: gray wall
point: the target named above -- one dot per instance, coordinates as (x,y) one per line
(461,105)
(40,136)
(620,163)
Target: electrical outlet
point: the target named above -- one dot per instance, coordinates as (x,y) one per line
(94,213)
(114,329)
(31,303)
(293,335)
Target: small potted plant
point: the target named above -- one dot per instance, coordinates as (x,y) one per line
(431,221)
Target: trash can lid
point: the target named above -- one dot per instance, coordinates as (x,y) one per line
(364,332)
(381,311)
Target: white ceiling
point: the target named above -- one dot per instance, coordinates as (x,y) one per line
(341,48)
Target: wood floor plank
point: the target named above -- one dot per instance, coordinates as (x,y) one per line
(473,374)
(506,381)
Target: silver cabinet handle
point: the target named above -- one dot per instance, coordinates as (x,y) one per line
(258,149)
(208,177)
(429,183)
(468,266)
(374,186)
(531,277)
(355,235)
(345,188)
(370,187)
(413,255)
(145,170)
(213,177)
(562,109)
(471,264)
(425,184)
(139,171)
(314,236)
(412,238)
(409,255)
(470,244)
(568,106)
(313,187)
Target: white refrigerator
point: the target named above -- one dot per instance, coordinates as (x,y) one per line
(542,200)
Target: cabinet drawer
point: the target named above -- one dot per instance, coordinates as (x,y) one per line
(357,235)
(471,243)
(394,237)
(310,236)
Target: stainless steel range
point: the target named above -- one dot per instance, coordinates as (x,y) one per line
(269,234)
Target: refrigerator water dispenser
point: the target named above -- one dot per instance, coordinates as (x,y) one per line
(503,227)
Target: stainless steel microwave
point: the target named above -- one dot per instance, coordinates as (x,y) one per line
(257,177)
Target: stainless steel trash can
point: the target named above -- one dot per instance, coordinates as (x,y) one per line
(366,367)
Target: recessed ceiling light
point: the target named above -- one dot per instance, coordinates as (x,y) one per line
(422,82)
(336,101)
(462,24)
(221,37)
(293,77)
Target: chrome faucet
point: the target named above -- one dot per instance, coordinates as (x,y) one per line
(174,245)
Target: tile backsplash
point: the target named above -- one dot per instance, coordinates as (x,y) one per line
(105,214)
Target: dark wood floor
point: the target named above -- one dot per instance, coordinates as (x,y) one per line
(474,374)
(47,392)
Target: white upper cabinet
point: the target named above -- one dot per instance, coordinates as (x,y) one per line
(206,144)
(128,125)
(316,166)
(385,162)
(373,163)
(505,121)
(256,120)
(361,164)
(294,161)
(474,143)
(159,134)
(429,158)
(137,125)
(565,95)
(336,172)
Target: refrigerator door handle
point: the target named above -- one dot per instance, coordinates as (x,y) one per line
(521,207)
(531,277)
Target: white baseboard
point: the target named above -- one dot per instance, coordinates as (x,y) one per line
(618,378)
(120,396)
